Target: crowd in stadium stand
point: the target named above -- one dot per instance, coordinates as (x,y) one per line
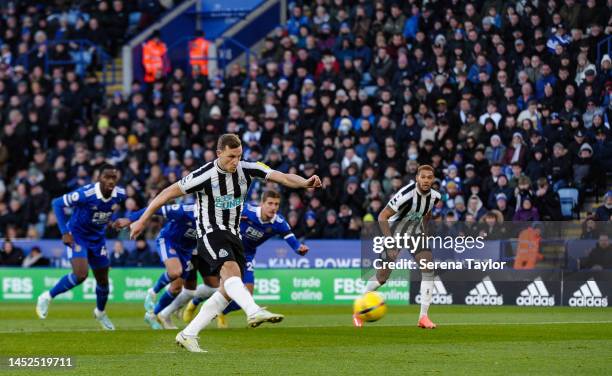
(508,101)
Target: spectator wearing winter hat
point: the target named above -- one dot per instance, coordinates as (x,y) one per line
(471,177)
(332,228)
(517,151)
(536,167)
(310,229)
(605,71)
(353,196)
(496,151)
(452,175)
(582,165)
(527,212)
(502,205)
(604,212)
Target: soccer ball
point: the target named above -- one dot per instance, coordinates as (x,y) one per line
(370,307)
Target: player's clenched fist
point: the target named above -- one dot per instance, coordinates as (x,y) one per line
(303,250)
(313,182)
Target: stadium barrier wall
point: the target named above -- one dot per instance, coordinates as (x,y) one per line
(537,288)
(342,286)
(287,286)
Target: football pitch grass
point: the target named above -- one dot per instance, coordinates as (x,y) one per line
(319,340)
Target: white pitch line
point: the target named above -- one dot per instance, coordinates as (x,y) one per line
(452,324)
(442,324)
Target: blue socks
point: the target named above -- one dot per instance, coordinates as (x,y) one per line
(197,301)
(233,306)
(69,281)
(101,297)
(163,302)
(163,280)
(66,283)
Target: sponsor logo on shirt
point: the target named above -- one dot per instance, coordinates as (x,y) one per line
(227,202)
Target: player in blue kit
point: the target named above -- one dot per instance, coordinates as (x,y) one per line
(92,207)
(175,244)
(257,224)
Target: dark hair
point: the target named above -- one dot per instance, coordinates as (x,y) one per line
(270,194)
(106,166)
(424,168)
(228,140)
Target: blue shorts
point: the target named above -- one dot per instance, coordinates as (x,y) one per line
(95,253)
(249,269)
(166,251)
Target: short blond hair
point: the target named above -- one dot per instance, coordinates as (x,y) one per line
(229,140)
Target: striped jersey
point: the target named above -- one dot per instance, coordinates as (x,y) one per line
(411,206)
(220,194)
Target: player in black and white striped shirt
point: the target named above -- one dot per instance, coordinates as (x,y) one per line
(221,188)
(406,213)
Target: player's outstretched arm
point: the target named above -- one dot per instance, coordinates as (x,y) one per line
(294,181)
(168,194)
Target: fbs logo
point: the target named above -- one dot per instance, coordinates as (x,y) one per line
(484,294)
(536,294)
(588,295)
(223,253)
(440,295)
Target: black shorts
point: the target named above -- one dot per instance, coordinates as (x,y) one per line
(200,266)
(217,247)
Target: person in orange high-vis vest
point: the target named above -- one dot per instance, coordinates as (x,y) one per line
(528,249)
(155,58)
(201,54)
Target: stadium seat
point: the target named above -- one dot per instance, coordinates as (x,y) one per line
(569,202)
(576,250)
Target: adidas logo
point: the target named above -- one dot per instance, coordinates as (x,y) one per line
(484,294)
(536,294)
(440,295)
(588,295)
(223,253)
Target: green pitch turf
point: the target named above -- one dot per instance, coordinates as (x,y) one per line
(320,341)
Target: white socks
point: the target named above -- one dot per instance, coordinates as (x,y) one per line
(426,291)
(236,290)
(181,299)
(210,309)
(372,285)
(203,291)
